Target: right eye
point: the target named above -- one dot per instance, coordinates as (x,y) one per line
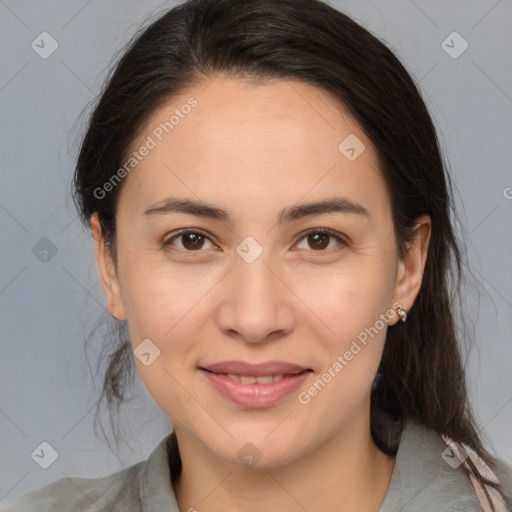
(191,240)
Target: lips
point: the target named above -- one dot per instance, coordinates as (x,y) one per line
(273,368)
(255,385)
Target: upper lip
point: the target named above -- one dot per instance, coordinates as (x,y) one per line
(255,370)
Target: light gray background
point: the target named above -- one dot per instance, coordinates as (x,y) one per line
(47,308)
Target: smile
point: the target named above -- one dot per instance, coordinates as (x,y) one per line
(255,391)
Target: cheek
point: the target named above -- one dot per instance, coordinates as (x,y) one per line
(167,310)
(351,306)
(159,299)
(352,359)
(350,297)
(159,315)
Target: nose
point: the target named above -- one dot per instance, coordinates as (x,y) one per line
(257,305)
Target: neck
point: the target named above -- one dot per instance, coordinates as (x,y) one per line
(347,472)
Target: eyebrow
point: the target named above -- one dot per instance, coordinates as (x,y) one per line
(291,213)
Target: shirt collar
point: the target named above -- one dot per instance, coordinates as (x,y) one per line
(418,447)
(156,492)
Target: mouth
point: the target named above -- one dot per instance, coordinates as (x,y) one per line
(255,386)
(270,368)
(259,379)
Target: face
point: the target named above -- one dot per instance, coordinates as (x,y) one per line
(258,277)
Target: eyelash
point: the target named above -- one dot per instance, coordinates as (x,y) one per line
(324,231)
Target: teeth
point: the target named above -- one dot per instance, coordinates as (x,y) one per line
(248,379)
(265,379)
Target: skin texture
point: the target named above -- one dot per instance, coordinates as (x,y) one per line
(254,150)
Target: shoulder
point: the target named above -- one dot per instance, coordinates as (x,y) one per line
(142,486)
(116,492)
(426,476)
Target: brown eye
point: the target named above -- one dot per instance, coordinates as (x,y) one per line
(318,240)
(190,240)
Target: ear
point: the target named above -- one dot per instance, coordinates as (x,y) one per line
(107,271)
(411,268)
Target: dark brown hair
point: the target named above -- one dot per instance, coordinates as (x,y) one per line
(423,376)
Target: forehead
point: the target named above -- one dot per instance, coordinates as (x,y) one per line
(274,141)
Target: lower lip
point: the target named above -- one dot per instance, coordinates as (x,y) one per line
(255,395)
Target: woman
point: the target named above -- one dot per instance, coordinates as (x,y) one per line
(271,217)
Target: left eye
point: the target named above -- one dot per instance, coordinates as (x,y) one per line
(317,238)
(192,241)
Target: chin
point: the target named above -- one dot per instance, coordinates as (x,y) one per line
(258,451)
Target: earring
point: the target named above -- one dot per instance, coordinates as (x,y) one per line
(402,314)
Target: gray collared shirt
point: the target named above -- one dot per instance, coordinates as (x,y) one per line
(421,481)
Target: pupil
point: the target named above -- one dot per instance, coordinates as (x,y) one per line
(317,237)
(193,239)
